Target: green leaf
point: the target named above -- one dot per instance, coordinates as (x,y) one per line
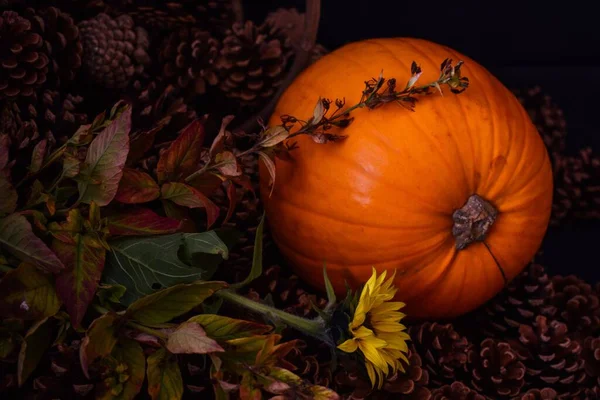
(223,328)
(99,341)
(8,343)
(166,304)
(83,256)
(190,338)
(164,377)
(144,265)
(130,353)
(256,269)
(110,294)
(104,162)
(17,238)
(34,345)
(28,294)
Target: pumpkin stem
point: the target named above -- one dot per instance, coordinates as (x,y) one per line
(473,221)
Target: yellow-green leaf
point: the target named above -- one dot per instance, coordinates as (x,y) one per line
(223,328)
(164,377)
(166,304)
(130,353)
(99,340)
(34,345)
(256,269)
(27,293)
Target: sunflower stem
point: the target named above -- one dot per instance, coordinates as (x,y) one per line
(311,327)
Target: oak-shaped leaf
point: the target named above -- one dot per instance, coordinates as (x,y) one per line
(164,377)
(101,172)
(34,345)
(222,328)
(145,265)
(185,195)
(190,338)
(129,354)
(164,305)
(99,340)
(183,156)
(141,222)
(83,255)
(136,187)
(17,237)
(27,293)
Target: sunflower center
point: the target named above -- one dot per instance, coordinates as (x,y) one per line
(473,221)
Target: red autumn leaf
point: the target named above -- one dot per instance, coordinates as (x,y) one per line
(141,221)
(206,183)
(104,162)
(232,196)
(183,155)
(136,187)
(184,195)
(83,257)
(142,141)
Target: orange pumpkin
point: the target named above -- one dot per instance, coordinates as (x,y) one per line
(388,195)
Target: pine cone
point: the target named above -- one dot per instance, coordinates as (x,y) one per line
(519,303)
(456,391)
(551,358)
(23,57)
(62,42)
(114,49)
(496,369)
(289,23)
(575,303)
(442,349)
(591,356)
(577,187)
(540,394)
(187,56)
(252,64)
(547,117)
(46,115)
(215,16)
(409,385)
(592,393)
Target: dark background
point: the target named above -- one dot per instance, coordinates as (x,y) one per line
(555,45)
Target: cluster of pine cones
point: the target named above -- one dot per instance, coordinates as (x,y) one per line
(63,64)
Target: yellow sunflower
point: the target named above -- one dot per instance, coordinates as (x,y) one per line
(376,329)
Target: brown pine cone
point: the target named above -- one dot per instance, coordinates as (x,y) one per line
(62,42)
(456,391)
(540,394)
(551,357)
(442,349)
(591,356)
(23,57)
(575,303)
(496,369)
(523,299)
(592,393)
(115,50)
(547,116)
(187,57)
(48,115)
(251,64)
(409,385)
(577,187)
(289,23)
